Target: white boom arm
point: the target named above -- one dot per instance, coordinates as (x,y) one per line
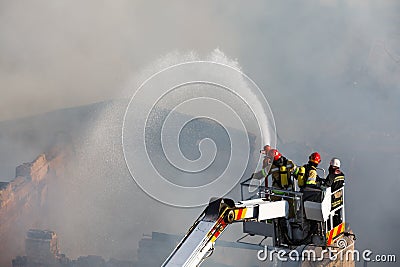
(199,241)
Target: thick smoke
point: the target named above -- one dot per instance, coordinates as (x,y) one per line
(100,196)
(61,54)
(330,70)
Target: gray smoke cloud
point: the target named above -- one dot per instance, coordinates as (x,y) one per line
(61,54)
(329,69)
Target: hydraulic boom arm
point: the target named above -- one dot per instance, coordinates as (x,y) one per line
(198,243)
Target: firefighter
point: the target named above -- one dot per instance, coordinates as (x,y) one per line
(279,167)
(312,189)
(311,176)
(335,180)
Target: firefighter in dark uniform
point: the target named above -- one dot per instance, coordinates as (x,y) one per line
(279,167)
(281,170)
(335,180)
(312,189)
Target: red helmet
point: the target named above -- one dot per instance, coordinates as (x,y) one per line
(274,154)
(315,157)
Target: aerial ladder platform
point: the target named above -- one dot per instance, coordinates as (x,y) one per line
(287,216)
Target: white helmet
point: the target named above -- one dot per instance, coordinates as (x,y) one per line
(335,162)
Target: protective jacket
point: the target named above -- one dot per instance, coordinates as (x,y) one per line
(311,176)
(335,180)
(281,171)
(312,190)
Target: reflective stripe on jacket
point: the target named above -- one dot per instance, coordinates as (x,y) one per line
(338,178)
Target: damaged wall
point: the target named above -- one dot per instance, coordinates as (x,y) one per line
(23,203)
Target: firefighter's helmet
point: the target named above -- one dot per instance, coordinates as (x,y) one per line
(335,162)
(315,157)
(274,154)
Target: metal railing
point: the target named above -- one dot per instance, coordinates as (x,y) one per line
(294,198)
(260,191)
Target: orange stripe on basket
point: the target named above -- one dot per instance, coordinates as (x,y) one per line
(330,236)
(339,229)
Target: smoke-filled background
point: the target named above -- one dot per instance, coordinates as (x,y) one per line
(329,69)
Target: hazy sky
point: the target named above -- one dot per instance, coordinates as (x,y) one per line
(56,54)
(330,70)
